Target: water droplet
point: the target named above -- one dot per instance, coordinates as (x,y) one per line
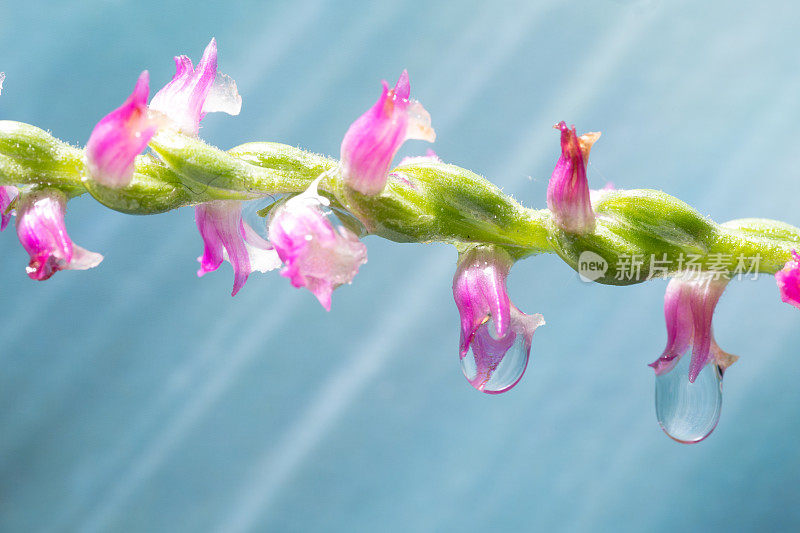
(494,365)
(689,412)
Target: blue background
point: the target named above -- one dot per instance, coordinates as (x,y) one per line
(136,397)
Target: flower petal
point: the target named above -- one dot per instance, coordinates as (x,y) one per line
(119,137)
(568,194)
(373,139)
(315,254)
(788,281)
(193,92)
(8,194)
(227,237)
(43,234)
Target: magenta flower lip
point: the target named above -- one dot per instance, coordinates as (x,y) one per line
(374,138)
(227,237)
(195,91)
(43,234)
(568,195)
(788,281)
(490,323)
(689,305)
(316,255)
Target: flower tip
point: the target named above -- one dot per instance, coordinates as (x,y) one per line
(586,141)
(402,88)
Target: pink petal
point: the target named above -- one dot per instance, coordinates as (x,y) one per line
(373,139)
(227,237)
(568,194)
(119,137)
(689,305)
(193,92)
(41,231)
(315,254)
(8,194)
(788,281)
(479,290)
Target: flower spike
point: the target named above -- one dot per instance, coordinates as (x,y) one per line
(316,255)
(41,230)
(120,136)
(227,237)
(8,194)
(490,324)
(788,281)
(568,194)
(373,139)
(689,305)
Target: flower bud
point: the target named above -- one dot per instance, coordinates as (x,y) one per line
(568,194)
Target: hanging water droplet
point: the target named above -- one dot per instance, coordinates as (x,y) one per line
(689,412)
(495,364)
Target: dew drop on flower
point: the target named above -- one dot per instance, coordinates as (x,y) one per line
(689,412)
(494,365)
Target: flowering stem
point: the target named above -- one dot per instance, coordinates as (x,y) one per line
(424,200)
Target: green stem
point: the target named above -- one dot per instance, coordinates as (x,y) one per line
(425,200)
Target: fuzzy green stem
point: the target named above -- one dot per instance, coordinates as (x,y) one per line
(424,201)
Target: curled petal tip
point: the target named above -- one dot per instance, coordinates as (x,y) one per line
(402,88)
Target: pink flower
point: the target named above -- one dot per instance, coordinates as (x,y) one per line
(226,236)
(788,281)
(689,305)
(120,136)
(8,194)
(193,92)
(316,255)
(568,194)
(373,139)
(124,133)
(41,230)
(490,323)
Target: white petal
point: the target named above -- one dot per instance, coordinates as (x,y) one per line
(263,260)
(223,96)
